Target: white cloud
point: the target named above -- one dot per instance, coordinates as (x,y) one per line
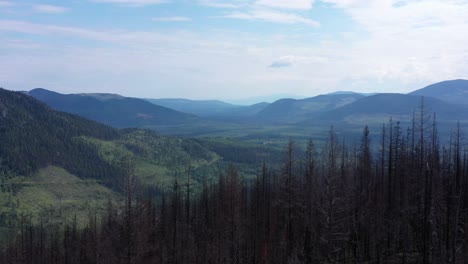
(391,16)
(171,19)
(50,9)
(132,2)
(409,40)
(287,4)
(273,16)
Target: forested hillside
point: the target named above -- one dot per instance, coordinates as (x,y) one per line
(32,136)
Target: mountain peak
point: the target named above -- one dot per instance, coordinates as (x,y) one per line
(41,91)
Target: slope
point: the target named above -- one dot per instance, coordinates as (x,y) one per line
(452,91)
(32,136)
(53,195)
(293,110)
(114,110)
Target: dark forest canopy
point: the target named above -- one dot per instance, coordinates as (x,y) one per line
(405,202)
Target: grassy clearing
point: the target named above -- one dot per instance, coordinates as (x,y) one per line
(153,174)
(110,151)
(53,193)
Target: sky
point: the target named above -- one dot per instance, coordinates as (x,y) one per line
(231,50)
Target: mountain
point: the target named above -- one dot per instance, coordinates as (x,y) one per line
(380,107)
(295,110)
(113,110)
(453,91)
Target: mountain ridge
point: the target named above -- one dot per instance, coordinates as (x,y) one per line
(115,110)
(294,110)
(452,91)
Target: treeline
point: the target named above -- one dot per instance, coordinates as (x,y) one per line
(402,198)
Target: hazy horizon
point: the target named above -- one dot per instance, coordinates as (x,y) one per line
(242,101)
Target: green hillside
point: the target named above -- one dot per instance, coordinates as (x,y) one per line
(53,195)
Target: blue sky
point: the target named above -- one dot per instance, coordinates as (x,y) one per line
(215,49)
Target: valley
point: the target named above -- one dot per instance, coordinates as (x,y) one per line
(59,168)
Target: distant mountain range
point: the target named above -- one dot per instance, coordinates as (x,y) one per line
(449,99)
